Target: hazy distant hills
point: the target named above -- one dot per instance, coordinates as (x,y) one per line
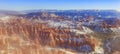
(10,12)
(79,13)
(102,19)
(67,13)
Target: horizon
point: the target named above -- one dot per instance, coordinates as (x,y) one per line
(61,10)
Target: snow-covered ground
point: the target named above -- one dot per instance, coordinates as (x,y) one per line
(84,31)
(67,24)
(57,24)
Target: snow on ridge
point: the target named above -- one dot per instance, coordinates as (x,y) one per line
(84,31)
(57,24)
(66,24)
(5,18)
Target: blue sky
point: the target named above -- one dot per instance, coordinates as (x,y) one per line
(59,4)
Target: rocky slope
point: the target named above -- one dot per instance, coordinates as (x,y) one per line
(52,33)
(21,36)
